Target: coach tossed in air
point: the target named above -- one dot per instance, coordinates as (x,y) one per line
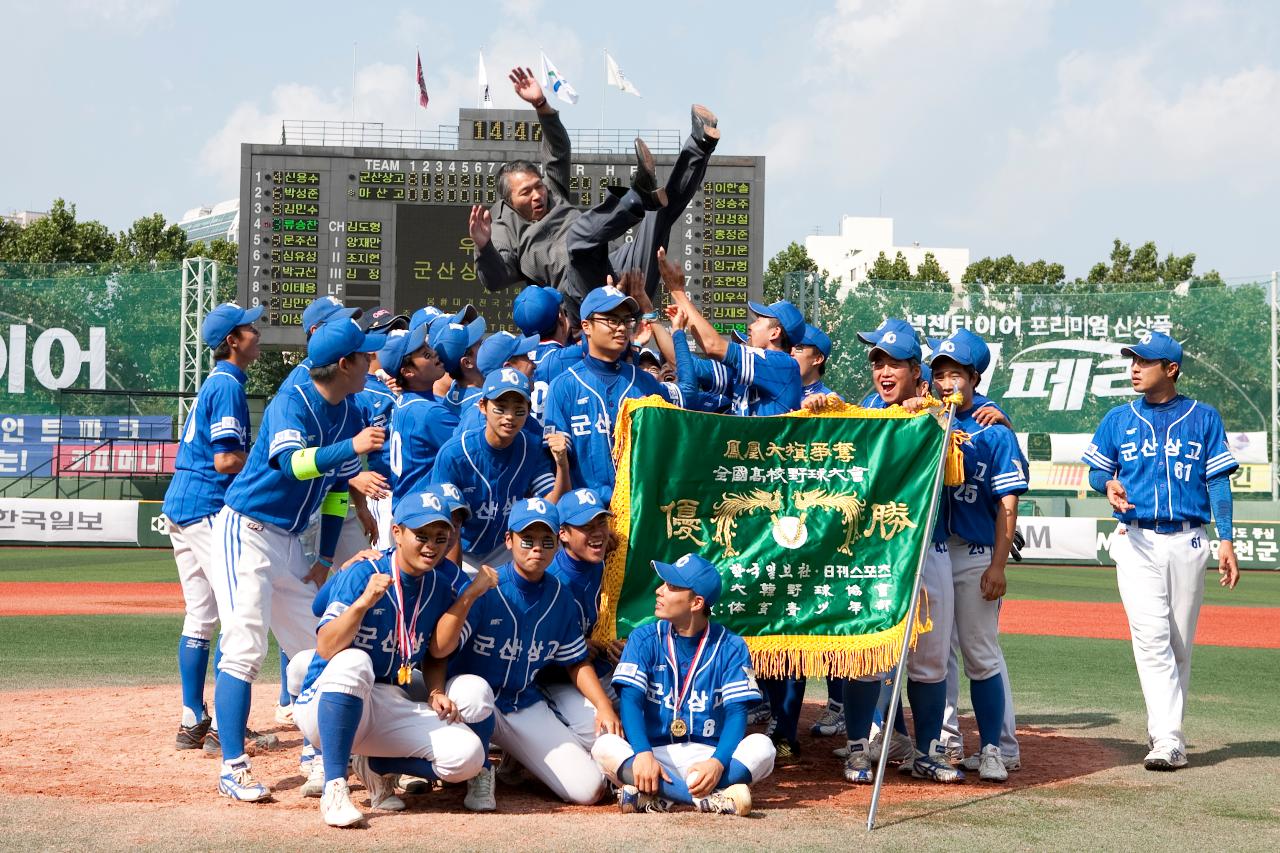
(1165,466)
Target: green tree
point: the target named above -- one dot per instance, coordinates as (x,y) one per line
(930,271)
(1139,269)
(793,259)
(150,240)
(886,270)
(1005,273)
(60,238)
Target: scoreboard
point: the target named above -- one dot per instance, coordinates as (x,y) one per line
(388,226)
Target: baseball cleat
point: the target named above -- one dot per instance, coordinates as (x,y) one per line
(284,715)
(336,807)
(858,768)
(760,714)
(381,787)
(480,792)
(253,743)
(632,801)
(1165,758)
(307,755)
(830,721)
(314,786)
(933,766)
(238,783)
(973,761)
(786,754)
(192,737)
(734,800)
(417,785)
(991,766)
(901,748)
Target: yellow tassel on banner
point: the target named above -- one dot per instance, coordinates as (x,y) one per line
(954,473)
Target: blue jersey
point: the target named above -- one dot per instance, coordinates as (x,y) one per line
(583,402)
(429,596)
(375,403)
(550,359)
(993,468)
(1164,455)
(420,426)
(218,423)
(513,631)
(462,397)
(705,385)
(297,418)
(724,677)
(816,388)
(300,375)
(582,579)
(767,381)
(491,481)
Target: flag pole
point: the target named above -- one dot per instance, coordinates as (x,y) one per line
(417,52)
(896,688)
(354,45)
(605,94)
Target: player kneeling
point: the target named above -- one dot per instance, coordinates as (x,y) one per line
(354,698)
(686,685)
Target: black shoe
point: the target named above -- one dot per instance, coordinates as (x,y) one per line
(787,753)
(645,181)
(192,737)
(254,742)
(704,123)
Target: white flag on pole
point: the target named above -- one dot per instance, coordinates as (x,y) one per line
(485,100)
(617,78)
(552,80)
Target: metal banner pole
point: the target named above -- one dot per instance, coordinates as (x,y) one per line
(895,691)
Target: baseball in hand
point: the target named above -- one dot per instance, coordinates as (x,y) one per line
(692,779)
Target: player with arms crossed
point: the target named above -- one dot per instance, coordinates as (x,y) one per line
(1164,464)
(310,445)
(215,441)
(686,685)
(355,693)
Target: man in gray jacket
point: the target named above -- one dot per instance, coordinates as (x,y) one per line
(534,233)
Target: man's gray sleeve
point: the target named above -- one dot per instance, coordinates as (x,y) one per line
(556,155)
(498,267)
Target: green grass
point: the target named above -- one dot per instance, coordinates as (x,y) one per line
(65,651)
(111,565)
(1098,583)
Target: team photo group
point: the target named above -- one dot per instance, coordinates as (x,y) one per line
(424,512)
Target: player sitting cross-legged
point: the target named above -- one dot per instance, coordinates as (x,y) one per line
(507,636)
(686,685)
(355,695)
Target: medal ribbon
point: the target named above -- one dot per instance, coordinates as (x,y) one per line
(693,666)
(403,641)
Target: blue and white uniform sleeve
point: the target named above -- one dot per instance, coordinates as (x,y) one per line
(1101,452)
(737,678)
(228,432)
(348,586)
(1008,476)
(633,667)
(1220,459)
(573,646)
(543,478)
(772,373)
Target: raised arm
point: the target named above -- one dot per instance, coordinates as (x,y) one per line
(556,149)
(708,338)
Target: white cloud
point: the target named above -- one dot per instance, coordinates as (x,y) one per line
(132,16)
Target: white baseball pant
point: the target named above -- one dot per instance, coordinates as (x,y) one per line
(1161,581)
(550,751)
(927,663)
(395,726)
(951,734)
(977,620)
(381,510)
(257,580)
(471,562)
(755,752)
(575,710)
(192,547)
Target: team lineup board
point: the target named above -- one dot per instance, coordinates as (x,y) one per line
(384,226)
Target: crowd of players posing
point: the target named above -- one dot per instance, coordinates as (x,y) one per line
(480,469)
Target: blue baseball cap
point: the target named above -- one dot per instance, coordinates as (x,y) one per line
(926,374)
(536,309)
(326,309)
(787,315)
(499,347)
(333,341)
(1155,346)
(815,337)
(739,336)
(580,506)
(959,348)
(602,300)
(896,338)
(450,497)
(419,510)
(452,340)
(532,511)
(424,316)
(981,352)
(506,380)
(694,572)
(400,345)
(222,321)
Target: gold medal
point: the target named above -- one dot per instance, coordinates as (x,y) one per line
(678,728)
(404,675)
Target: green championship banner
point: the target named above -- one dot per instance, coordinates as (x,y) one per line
(817,522)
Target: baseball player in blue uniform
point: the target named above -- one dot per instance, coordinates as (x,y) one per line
(215,441)
(766,377)
(538,311)
(976,525)
(686,684)
(376,627)
(1164,464)
(498,466)
(503,349)
(420,423)
(507,636)
(584,400)
(457,342)
(310,444)
(579,566)
(375,403)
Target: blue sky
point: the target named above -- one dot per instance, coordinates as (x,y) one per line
(1035,128)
